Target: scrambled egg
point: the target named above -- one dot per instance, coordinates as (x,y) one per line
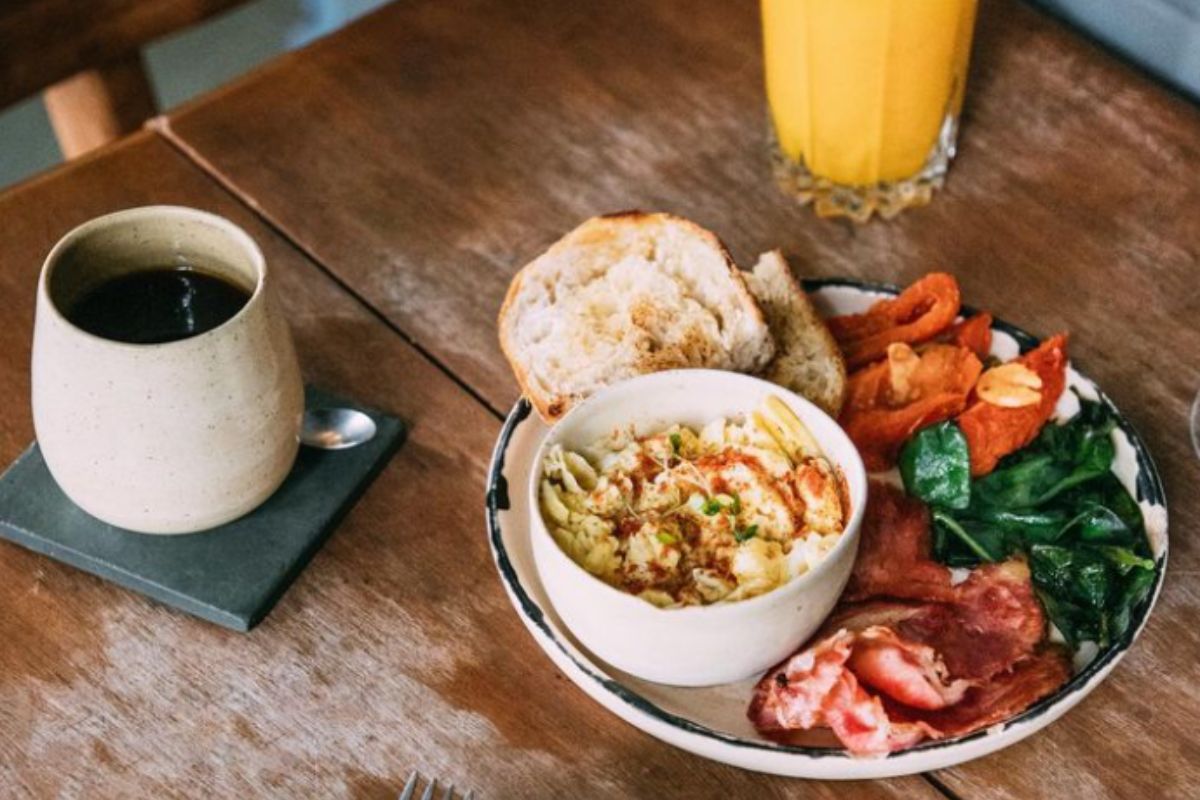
(685,517)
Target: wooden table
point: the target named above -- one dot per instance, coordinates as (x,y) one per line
(397,174)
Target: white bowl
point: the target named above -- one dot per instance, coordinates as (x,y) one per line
(694,645)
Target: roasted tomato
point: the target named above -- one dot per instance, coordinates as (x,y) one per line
(973,332)
(889,401)
(993,431)
(918,314)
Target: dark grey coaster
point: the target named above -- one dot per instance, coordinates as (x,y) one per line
(232,575)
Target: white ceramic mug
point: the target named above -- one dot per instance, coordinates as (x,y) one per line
(164,438)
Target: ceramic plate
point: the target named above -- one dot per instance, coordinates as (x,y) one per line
(711,722)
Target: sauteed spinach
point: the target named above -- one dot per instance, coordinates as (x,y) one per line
(1058,502)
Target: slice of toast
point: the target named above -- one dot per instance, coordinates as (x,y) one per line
(807,359)
(623,295)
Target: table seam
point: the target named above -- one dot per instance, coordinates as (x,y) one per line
(160,126)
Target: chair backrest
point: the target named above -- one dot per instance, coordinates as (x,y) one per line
(90,51)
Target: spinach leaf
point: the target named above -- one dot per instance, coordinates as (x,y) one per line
(984,542)
(1062,457)
(1066,616)
(1028,525)
(1096,523)
(1091,580)
(1021,483)
(1051,567)
(1132,594)
(1108,491)
(1084,442)
(936,466)
(1079,574)
(1124,559)
(1096,461)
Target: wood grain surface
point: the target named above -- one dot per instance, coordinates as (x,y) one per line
(425,153)
(396,649)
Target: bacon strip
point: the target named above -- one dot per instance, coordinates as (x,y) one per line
(824,686)
(792,695)
(936,659)
(879,421)
(994,621)
(860,721)
(980,626)
(920,312)
(894,551)
(995,701)
(819,687)
(993,432)
(912,673)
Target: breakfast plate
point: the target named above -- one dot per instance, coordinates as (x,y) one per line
(712,721)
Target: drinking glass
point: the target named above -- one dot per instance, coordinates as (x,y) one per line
(864,99)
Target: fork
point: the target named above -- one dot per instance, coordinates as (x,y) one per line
(408,793)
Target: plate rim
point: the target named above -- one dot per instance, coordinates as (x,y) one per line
(1149,488)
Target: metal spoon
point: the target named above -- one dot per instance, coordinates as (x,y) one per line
(336,428)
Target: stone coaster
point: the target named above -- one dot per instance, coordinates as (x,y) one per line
(232,575)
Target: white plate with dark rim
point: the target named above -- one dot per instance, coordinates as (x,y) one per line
(712,722)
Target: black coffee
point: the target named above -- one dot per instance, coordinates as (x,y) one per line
(157,305)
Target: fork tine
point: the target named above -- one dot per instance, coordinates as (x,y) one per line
(428,794)
(448,794)
(409,787)
(470,795)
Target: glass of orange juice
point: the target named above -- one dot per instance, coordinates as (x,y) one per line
(865,97)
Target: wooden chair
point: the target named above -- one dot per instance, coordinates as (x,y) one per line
(85,57)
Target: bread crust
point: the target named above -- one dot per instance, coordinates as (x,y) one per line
(551,407)
(817,327)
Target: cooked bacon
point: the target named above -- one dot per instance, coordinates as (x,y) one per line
(993,432)
(919,313)
(996,700)
(912,673)
(879,416)
(920,656)
(860,721)
(819,687)
(792,695)
(993,622)
(823,686)
(980,626)
(974,332)
(894,551)
(996,621)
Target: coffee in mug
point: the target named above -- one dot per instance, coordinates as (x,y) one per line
(166,393)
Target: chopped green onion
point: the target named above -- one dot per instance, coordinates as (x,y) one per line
(676,442)
(711,507)
(667,538)
(736,506)
(744,534)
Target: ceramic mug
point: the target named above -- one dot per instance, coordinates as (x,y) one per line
(164,438)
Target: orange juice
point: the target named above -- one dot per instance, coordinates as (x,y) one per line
(865,95)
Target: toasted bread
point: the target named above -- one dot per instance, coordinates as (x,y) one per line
(807,359)
(624,295)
